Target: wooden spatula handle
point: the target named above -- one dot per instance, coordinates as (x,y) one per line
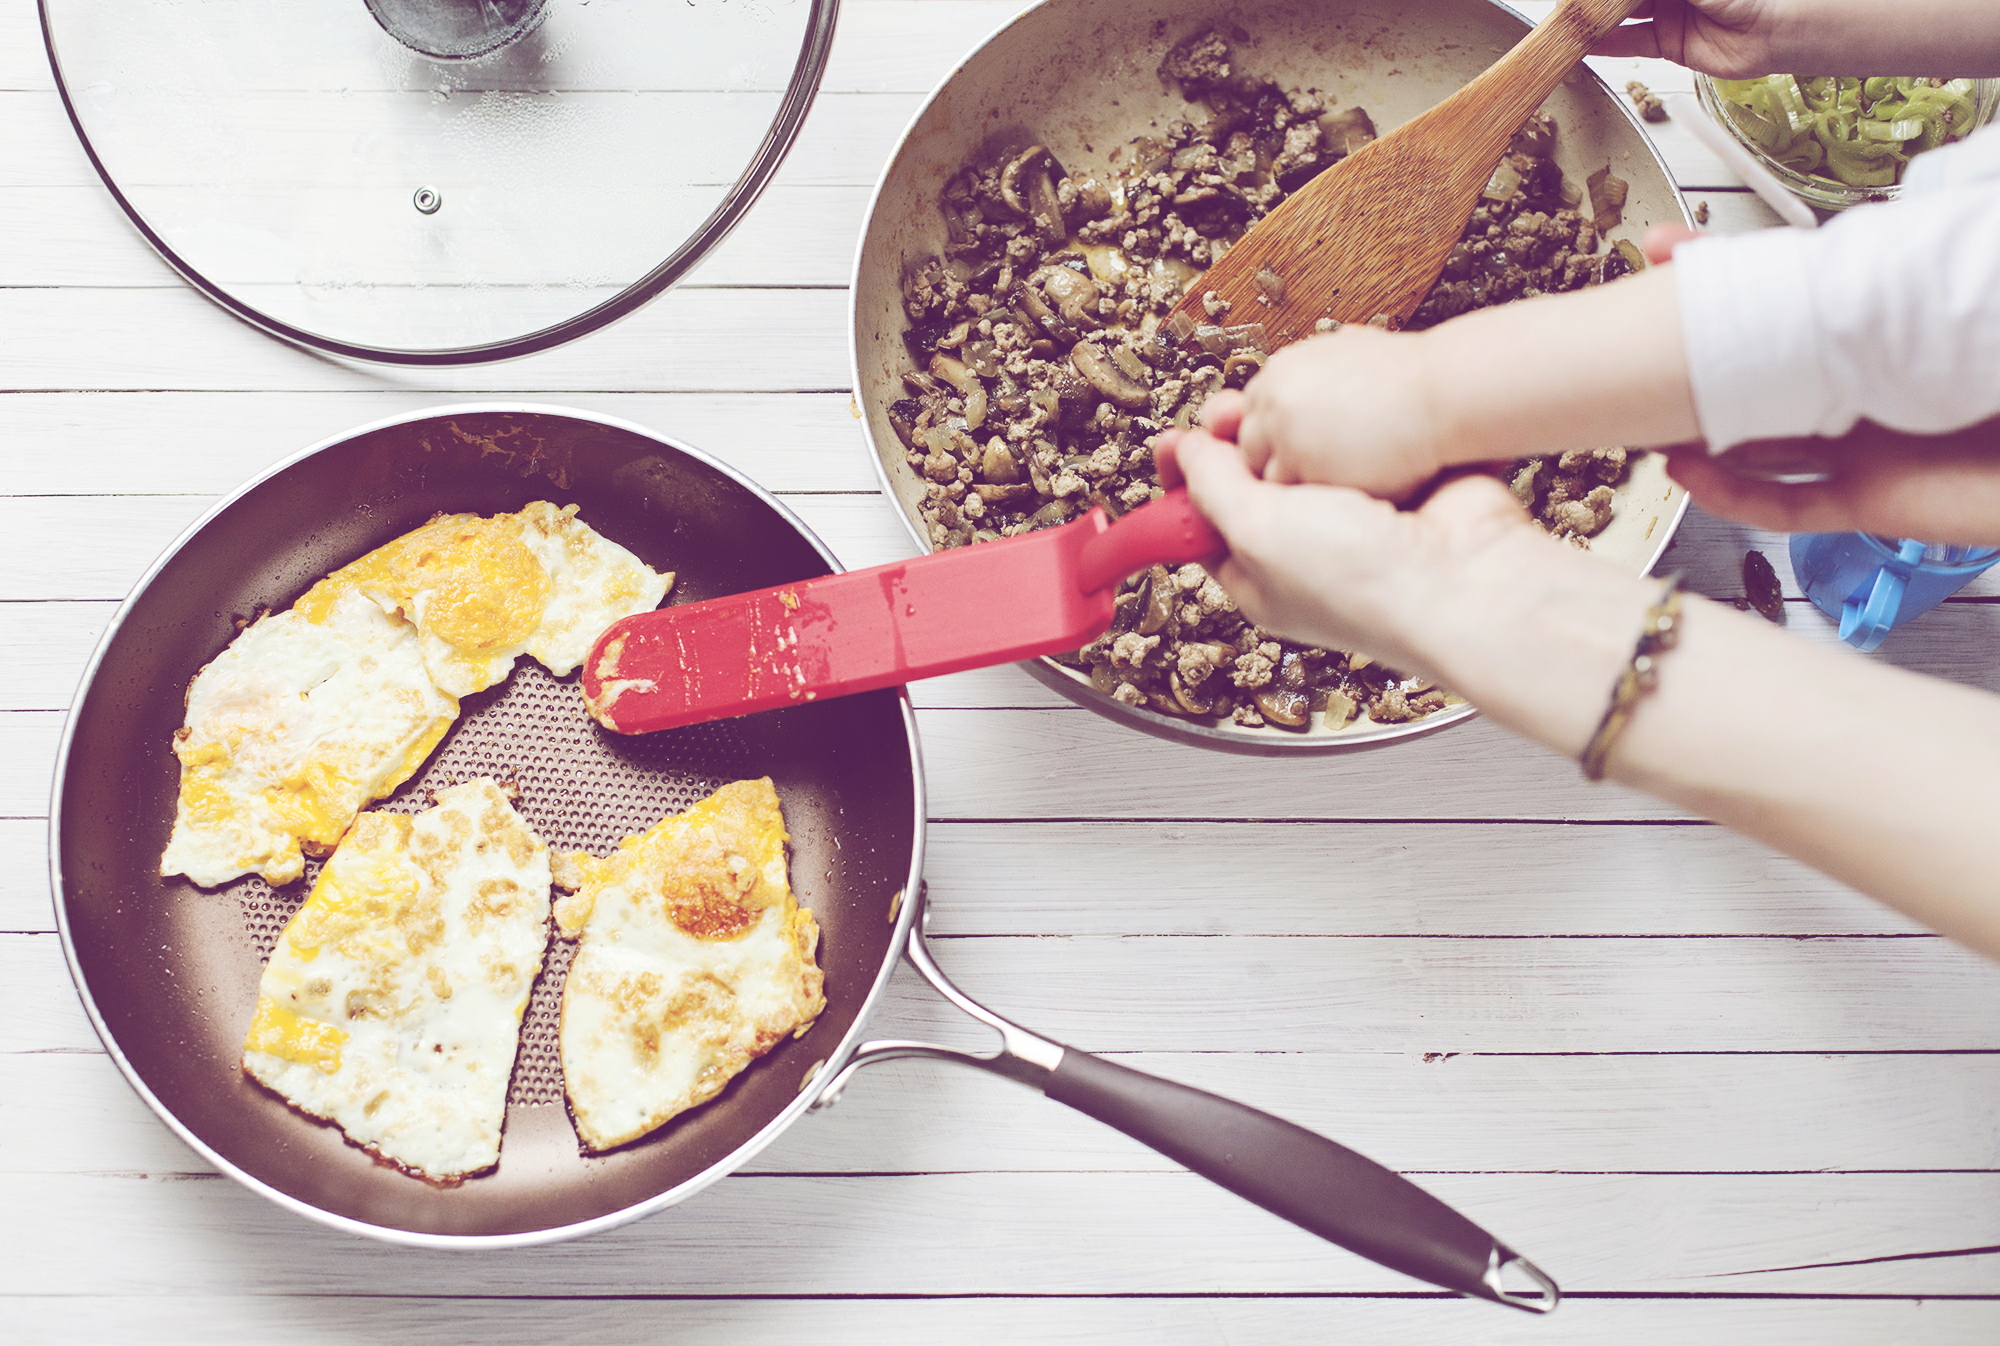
(1519,82)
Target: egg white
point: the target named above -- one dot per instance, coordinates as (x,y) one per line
(695,960)
(392,1005)
(312,713)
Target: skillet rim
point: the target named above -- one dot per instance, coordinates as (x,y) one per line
(809,1095)
(1064,682)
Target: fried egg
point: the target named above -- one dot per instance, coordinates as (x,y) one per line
(392,1003)
(695,959)
(313,713)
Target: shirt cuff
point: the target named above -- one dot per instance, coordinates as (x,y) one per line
(1754,364)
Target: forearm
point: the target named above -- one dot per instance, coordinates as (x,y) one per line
(1869,37)
(1888,781)
(1582,370)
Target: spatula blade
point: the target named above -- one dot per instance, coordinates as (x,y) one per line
(968,607)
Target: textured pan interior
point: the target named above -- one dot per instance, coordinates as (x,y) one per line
(1080,77)
(171,970)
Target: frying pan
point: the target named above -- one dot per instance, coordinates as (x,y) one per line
(1080,77)
(168,972)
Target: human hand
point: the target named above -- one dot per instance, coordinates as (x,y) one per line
(1332,566)
(1941,488)
(1349,408)
(1730,39)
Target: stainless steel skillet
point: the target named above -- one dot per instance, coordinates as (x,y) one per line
(168,972)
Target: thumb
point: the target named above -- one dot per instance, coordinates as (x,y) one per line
(1218,480)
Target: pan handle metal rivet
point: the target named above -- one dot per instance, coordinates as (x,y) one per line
(427,201)
(812,1073)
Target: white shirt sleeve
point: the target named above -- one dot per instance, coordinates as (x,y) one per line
(1887,312)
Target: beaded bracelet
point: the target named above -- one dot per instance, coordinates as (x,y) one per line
(1660,634)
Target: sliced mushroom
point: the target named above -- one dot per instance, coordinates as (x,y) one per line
(1073,293)
(960,376)
(1049,515)
(998,463)
(903,413)
(1285,706)
(982,358)
(1028,185)
(1093,198)
(1190,701)
(1348,131)
(1161,592)
(1238,369)
(1106,377)
(1039,308)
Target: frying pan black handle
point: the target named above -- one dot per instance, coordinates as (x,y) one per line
(1290,1171)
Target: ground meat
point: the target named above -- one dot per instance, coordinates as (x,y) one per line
(1041,373)
(1650,107)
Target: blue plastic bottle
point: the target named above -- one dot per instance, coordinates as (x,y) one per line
(1871,583)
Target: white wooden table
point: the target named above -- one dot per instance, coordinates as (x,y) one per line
(1719,1097)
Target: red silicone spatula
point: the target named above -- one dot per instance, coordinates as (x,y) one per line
(968,607)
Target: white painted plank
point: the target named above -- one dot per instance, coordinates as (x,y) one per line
(255,1320)
(28,748)
(47,647)
(879,45)
(1099,878)
(77,235)
(1390,993)
(845,141)
(796,236)
(1069,763)
(97,546)
(1959,641)
(794,444)
(52,642)
(1200,878)
(25,903)
(1733,212)
(1083,1233)
(207,444)
(171,339)
(319,1321)
(1466,1113)
(93,547)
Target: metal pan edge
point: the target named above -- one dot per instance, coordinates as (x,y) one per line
(809,1095)
(1072,685)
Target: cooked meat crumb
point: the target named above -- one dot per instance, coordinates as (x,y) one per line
(1650,107)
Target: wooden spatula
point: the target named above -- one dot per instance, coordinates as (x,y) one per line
(969,607)
(1369,236)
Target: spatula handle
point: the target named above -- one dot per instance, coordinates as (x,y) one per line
(1314,1182)
(1169,530)
(1516,84)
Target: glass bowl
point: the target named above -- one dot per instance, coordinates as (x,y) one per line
(1813,188)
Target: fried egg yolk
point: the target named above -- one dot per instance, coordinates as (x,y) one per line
(313,713)
(695,960)
(392,1004)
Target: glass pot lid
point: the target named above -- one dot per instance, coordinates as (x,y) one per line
(436,181)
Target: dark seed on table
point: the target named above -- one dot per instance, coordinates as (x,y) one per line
(1760,586)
